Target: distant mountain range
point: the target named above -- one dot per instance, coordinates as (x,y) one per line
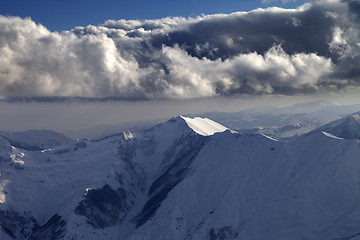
(284,123)
(35,140)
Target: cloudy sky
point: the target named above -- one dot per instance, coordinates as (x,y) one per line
(58,15)
(205,50)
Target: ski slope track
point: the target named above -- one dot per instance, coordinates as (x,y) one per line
(187,178)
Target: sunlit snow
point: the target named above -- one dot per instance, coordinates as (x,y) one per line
(204,126)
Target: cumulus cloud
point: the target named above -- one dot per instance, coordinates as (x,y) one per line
(264,51)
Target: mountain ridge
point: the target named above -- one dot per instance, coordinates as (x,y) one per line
(171,182)
(347,127)
(35,140)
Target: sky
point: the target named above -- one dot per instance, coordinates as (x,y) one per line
(59,15)
(138,58)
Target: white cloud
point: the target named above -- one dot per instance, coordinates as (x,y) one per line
(268,51)
(275,72)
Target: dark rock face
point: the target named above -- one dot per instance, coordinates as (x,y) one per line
(129,174)
(25,226)
(16,225)
(80,145)
(104,207)
(223,233)
(61,151)
(172,175)
(53,229)
(7,231)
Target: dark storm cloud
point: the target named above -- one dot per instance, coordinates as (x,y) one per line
(297,31)
(265,51)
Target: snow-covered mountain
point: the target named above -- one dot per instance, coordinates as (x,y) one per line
(283,122)
(187,178)
(347,127)
(280,122)
(288,132)
(35,139)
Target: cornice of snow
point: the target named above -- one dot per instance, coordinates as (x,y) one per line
(204,126)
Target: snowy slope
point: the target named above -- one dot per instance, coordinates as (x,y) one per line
(81,182)
(204,126)
(347,127)
(35,139)
(256,188)
(284,122)
(288,132)
(183,179)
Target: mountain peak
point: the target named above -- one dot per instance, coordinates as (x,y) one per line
(347,127)
(204,126)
